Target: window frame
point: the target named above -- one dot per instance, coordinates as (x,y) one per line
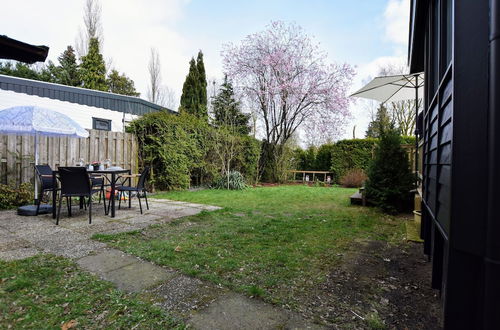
(95,126)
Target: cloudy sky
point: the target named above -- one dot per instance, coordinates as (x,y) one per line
(363,33)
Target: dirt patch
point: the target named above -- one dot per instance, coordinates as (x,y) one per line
(377,286)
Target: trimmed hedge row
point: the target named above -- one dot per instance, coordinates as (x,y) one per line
(340,157)
(351,154)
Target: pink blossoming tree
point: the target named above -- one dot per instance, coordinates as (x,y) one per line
(283,72)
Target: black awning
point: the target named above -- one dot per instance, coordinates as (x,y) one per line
(12,49)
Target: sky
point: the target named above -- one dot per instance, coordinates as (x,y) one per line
(364,33)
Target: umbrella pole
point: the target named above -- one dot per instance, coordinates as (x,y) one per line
(416,131)
(36,163)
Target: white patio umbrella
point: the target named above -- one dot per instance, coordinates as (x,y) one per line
(395,88)
(37,121)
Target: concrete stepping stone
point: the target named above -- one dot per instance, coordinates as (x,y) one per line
(105,261)
(183,294)
(235,311)
(16,254)
(126,272)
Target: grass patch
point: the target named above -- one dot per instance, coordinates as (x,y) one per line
(270,242)
(45,291)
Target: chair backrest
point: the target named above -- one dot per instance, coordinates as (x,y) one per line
(42,170)
(142,179)
(74,181)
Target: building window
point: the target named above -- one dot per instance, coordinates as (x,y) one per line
(101,124)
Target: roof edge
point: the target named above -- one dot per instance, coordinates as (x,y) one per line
(5,80)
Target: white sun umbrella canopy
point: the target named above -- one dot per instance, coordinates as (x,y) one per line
(33,120)
(396,88)
(393,88)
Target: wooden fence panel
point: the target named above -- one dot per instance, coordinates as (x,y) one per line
(17,153)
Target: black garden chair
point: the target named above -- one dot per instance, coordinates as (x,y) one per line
(138,189)
(98,185)
(75,182)
(44,174)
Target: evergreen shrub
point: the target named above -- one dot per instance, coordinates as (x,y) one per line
(389,177)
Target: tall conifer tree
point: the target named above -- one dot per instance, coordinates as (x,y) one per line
(227,110)
(202,81)
(381,123)
(194,90)
(68,68)
(93,68)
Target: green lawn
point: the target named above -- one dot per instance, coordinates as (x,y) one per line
(44,291)
(271,242)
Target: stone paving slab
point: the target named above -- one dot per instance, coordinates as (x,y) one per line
(147,218)
(183,294)
(16,254)
(138,276)
(13,243)
(104,228)
(66,247)
(106,261)
(234,311)
(178,213)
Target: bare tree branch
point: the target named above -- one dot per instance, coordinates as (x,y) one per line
(92,12)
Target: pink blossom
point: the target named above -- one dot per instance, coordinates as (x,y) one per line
(283,72)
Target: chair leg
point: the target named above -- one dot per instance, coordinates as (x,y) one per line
(129,199)
(104,202)
(120,199)
(90,209)
(146,198)
(38,202)
(140,205)
(68,205)
(59,209)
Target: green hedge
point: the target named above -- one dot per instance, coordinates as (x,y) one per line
(351,154)
(408,140)
(180,149)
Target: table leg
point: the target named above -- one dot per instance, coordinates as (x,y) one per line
(54,196)
(129,193)
(112,195)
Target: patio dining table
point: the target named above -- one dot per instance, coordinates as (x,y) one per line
(114,177)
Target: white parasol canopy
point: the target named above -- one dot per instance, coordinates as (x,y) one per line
(393,88)
(33,120)
(396,88)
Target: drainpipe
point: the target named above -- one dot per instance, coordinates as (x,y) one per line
(492,253)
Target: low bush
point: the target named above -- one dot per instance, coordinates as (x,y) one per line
(354,178)
(235,181)
(11,197)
